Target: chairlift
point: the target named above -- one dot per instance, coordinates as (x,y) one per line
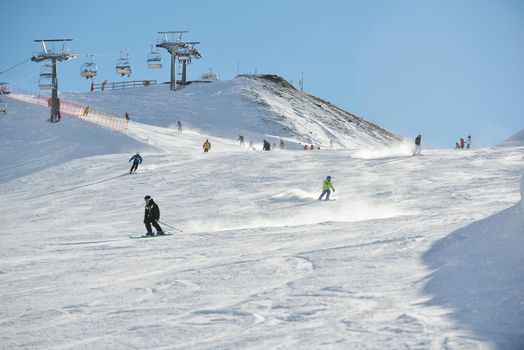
(154,59)
(183,56)
(122,65)
(3,105)
(211,76)
(46,71)
(88,69)
(45,83)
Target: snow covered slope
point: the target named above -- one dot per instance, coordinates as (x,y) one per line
(416,252)
(515,140)
(263,108)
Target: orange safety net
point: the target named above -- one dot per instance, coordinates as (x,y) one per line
(78,111)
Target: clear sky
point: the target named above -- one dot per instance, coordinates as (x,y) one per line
(444,68)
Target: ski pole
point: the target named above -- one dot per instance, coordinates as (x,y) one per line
(163,223)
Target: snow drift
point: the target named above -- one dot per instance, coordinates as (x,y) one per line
(478,274)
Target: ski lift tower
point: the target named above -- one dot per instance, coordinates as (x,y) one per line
(181,50)
(54,55)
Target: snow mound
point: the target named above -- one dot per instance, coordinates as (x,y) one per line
(478,274)
(295,195)
(515,140)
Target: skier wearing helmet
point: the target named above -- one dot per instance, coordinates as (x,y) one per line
(151,216)
(327,186)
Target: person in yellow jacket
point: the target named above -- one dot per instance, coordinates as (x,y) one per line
(327,186)
(206,146)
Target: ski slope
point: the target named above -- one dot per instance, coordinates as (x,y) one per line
(416,252)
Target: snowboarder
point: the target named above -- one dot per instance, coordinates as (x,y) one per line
(241,139)
(457,146)
(266,146)
(151,216)
(327,186)
(179,126)
(136,160)
(282,144)
(461,143)
(468,142)
(418,148)
(206,146)
(126,115)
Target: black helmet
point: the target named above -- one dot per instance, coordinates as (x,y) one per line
(147,198)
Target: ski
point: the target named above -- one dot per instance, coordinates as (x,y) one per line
(152,236)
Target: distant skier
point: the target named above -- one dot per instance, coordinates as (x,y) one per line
(126,115)
(418,148)
(306,147)
(241,139)
(266,146)
(206,146)
(457,146)
(137,159)
(179,126)
(327,186)
(282,144)
(461,143)
(86,111)
(151,216)
(468,142)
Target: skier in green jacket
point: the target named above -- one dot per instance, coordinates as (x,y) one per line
(327,186)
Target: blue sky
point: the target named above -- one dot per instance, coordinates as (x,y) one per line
(442,68)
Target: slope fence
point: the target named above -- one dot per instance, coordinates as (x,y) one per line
(77,111)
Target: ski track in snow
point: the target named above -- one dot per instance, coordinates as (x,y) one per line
(261,263)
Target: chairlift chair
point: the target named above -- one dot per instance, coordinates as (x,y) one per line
(122,65)
(46,71)
(183,56)
(3,105)
(154,59)
(45,83)
(88,69)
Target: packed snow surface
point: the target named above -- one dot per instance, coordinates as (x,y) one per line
(415,252)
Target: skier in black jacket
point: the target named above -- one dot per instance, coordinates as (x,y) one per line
(151,216)
(418,147)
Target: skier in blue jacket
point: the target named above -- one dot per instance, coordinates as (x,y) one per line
(136,160)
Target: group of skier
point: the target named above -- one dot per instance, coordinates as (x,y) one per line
(152,211)
(462,142)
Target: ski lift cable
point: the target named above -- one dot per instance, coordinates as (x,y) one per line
(25,78)
(16,65)
(136,50)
